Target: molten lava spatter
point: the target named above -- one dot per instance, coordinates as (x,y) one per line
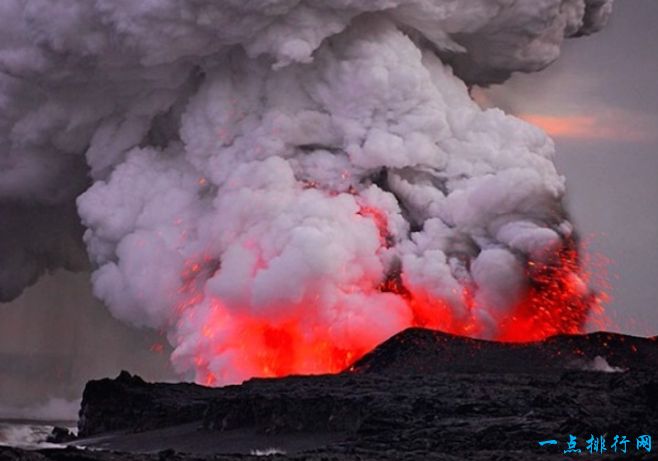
(558,299)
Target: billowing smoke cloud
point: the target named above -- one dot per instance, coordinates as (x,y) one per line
(280,184)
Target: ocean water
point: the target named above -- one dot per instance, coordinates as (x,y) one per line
(29,434)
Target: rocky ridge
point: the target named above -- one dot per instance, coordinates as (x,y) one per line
(420,395)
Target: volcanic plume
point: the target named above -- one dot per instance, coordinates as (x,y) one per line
(280,185)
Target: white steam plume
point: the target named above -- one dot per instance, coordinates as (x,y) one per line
(262,168)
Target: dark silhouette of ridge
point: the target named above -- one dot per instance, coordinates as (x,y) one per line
(421,394)
(421,351)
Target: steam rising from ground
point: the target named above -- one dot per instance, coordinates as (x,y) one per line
(280,185)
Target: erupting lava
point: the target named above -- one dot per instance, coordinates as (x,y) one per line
(557,300)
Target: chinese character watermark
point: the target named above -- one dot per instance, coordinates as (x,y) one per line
(596,444)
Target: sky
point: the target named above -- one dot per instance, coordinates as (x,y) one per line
(599,102)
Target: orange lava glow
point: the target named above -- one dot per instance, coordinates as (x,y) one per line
(298,341)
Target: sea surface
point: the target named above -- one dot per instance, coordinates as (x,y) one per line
(30,434)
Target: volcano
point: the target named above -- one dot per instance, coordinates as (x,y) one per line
(421,394)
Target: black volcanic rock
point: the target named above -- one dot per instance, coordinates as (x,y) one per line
(422,351)
(420,395)
(60,435)
(128,403)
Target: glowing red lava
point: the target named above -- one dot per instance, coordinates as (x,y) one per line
(237,343)
(279,348)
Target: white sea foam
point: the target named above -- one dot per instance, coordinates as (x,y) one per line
(26,435)
(267,452)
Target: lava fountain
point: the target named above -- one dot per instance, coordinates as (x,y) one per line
(282,186)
